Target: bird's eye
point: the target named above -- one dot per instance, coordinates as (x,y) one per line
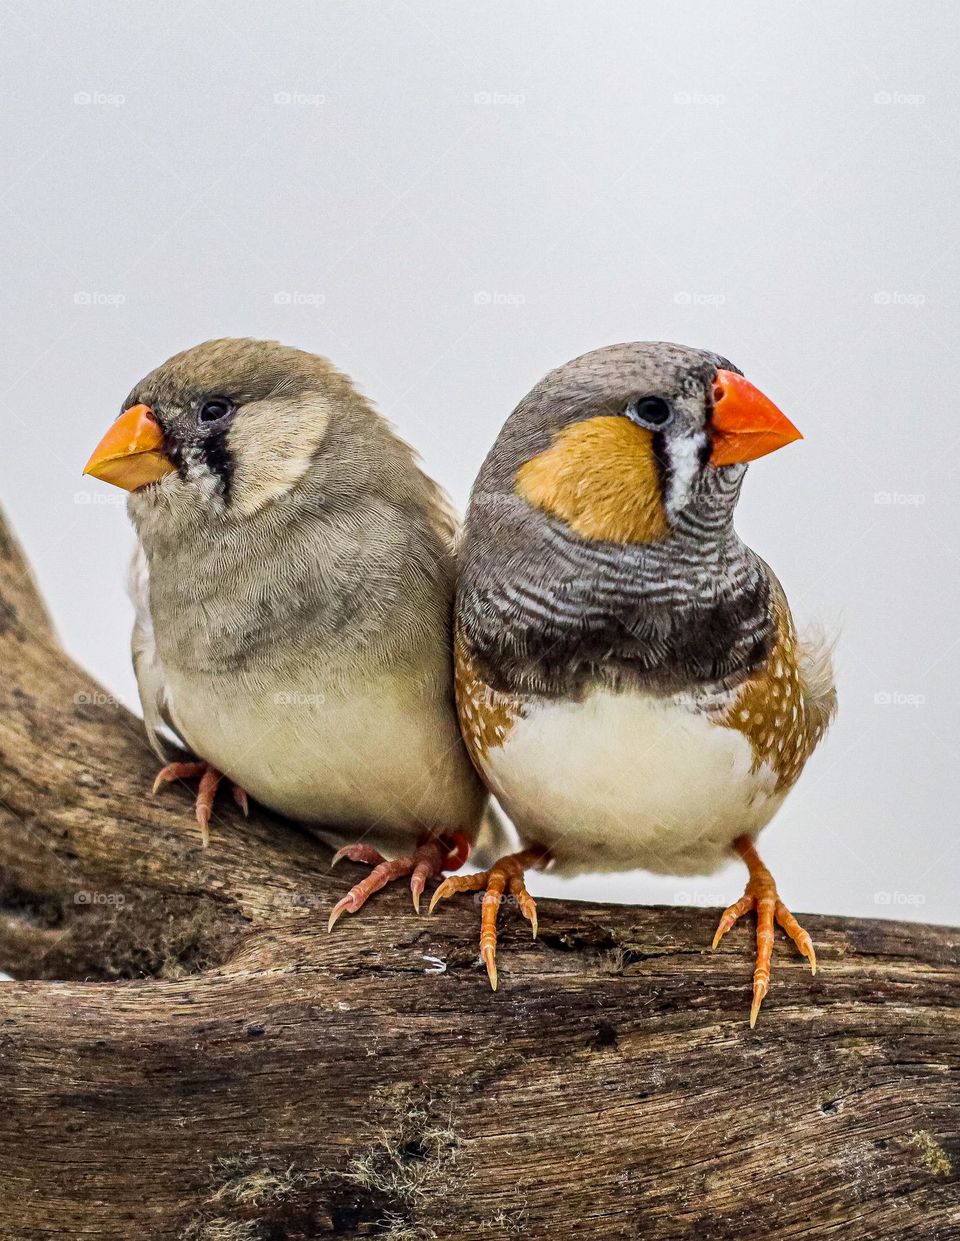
(214,408)
(649,411)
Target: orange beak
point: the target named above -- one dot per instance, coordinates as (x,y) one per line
(746,424)
(131,454)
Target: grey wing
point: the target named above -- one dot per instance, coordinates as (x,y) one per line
(146,662)
(815,666)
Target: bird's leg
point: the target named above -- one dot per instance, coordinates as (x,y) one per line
(507,874)
(432,856)
(210,779)
(761,894)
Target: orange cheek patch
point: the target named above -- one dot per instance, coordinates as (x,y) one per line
(600,477)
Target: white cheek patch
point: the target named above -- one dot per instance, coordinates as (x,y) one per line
(273,444)
(686,455)
(200,476)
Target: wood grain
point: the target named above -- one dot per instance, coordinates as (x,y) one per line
(190,1055)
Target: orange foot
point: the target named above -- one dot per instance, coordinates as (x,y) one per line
(209,783)
(507,873)
(761,894)
(432,857)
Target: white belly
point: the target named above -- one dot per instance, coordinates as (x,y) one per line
(620,781)
(386,760)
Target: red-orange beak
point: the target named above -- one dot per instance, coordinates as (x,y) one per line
(131,454)
(746,424)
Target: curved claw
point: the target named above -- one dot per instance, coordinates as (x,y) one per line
(209,783)
(489,956)
(525,902)
(176,771)
(807,950)
(340,908)
(365,854)
(759,993)
(430,859)
(731,916)
(203,821)
(796,932)
(443,891)
(418,881)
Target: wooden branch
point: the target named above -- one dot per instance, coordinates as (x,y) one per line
(193,1057)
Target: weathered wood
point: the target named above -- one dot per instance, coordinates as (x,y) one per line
(195,1058)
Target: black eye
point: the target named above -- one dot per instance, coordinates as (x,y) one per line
(214,408)
(649,411)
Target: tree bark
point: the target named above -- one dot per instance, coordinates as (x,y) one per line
(189,1055)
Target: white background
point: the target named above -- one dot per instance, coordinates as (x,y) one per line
(450,198)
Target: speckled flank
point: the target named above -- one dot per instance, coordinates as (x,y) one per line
(486,716)
(772,710)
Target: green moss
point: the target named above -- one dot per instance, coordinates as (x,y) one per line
(935,1159)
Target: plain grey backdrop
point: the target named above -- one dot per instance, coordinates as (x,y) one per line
(450,198)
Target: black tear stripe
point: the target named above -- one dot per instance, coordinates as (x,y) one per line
(219,462)
(663,464)
(214,455)
(177,456)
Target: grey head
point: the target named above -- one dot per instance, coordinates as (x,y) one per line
(599,542)
(663,387)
